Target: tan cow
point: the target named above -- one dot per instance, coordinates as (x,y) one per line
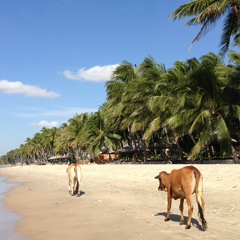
(182,184)
(75,175)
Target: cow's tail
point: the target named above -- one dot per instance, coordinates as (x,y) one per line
(199,198)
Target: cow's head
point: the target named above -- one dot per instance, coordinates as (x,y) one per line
(162,186)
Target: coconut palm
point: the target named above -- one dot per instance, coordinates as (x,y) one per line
(122,75)
(116,88)
(61,142)
(141,91)
(75,134)
(98,136)
(206,13)
(48,136)
(206,108)
(163,105)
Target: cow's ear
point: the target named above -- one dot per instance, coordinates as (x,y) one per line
(157,177)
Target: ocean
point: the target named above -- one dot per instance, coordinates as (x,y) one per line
(8,219)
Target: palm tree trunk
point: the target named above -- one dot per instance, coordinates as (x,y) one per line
(193,139)
(178,146)
(165,129)
(234,155)
(144,151)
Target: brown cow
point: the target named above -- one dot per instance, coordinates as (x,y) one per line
(182,184)
(75,176)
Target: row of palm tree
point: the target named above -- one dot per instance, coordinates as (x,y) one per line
(191,105)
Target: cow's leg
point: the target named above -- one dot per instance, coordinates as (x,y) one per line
(69,186)
(190,210)
(168,208)
(72,187)
(181,211)
(77,188)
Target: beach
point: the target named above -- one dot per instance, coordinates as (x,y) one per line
(119,201)
(8,219)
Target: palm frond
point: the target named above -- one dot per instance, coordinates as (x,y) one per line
(203,119)
(203,140)
(223,135)
(230,28)
(234,57)
(154,126)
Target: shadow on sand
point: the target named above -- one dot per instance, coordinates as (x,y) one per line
(176,218)
(81,193)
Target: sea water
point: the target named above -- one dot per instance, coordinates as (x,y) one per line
(8,219)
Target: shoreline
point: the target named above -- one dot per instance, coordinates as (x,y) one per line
(118,202)
(9,219)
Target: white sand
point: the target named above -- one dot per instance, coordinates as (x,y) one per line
(119,202)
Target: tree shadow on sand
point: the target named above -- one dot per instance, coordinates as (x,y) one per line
(176,218)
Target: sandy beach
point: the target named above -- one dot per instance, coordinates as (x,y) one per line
(119,202)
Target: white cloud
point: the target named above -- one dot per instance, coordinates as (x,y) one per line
(46,124)
(12,88)
(94,74)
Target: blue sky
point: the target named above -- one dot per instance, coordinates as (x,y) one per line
(56,56)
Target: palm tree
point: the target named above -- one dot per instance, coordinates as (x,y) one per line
(116,88)
(75,134)
(137,98)
(98,136)
(141,91)
(207,12)
(163,105)
(205,109)
(48,136)
(61,142)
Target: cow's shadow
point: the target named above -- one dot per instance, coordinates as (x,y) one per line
(81,193)
(176,218)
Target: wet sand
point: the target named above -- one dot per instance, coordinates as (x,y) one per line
(119,202)
(8,219)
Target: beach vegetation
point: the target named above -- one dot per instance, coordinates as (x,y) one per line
(193,106)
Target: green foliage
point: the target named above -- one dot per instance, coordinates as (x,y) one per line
(149,104)
(206,13)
